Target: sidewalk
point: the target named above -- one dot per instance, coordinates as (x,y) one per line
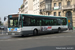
(70,30)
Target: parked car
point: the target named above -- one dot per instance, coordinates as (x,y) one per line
(3,28)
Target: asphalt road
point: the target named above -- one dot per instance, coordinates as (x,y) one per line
(53,41)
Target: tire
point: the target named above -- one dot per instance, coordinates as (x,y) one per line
(22,35)
(35,32)
(59,30)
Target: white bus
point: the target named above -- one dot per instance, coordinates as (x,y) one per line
(24,24)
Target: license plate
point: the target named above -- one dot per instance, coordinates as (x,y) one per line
(13,33)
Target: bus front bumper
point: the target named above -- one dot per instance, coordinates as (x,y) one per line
(14,33)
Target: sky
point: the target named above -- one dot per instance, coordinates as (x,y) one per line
(8,7)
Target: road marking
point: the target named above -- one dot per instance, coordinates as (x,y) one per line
(61,36)
(6,33)
(54,37)
(69,36)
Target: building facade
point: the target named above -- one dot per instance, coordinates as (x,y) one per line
(65,8)
(30,7)
(36,7)
(27,7)
(21,9)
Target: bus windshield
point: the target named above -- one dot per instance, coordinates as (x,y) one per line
(13,22)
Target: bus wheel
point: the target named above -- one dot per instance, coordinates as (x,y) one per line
(35,32)
(59,30)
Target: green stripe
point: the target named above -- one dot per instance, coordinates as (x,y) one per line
(43,16)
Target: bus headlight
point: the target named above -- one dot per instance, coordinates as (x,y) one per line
(19,30)
(8,29)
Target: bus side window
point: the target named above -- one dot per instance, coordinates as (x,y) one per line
(26,22)
(55,22)
(64,22)
(52,22)
(33,22)
(48,22)
(39,22)
(43,22)
(59,21)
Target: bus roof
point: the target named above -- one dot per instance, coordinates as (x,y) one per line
(39,15)
(43,15)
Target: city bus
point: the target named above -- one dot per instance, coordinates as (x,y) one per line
(26,24)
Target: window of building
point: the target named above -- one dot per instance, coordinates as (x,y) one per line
(54,13)
(68,3)
(48,13)
(48,6)
(26,3)
(54,4)
(59,4)
(33,0)
(59,13)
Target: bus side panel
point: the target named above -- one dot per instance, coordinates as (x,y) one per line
(63,27)
(29,29)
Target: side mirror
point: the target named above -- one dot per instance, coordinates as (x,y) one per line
(5,18)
